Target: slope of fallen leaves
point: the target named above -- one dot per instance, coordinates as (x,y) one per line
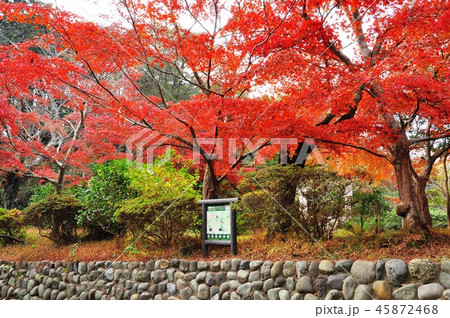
(368,246)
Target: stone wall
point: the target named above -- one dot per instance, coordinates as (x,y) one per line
(227,279)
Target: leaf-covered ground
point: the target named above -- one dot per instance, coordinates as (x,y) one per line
(369,246)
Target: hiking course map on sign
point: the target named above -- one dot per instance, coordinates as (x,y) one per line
(218,223)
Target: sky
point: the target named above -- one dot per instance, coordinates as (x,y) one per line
(93,10)
(104,12)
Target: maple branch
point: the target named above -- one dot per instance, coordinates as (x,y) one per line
(357,27)
(439,153)
(270,32)
(429,138)
(355,147)
(242,157)
(350,114)
(139,89)
(97,80)
(184,78)
(29,174)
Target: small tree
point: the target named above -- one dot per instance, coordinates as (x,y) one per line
(101,197)
(291,199)
(368,202)
(167,203)
(56,214)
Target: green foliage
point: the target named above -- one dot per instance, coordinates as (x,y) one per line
(291,199)
(166,206)
(11,223)
(438,218)
(101,197)
(56,214)
(164,220)
(391,221)
(166,178)
(369,202)
(41,192)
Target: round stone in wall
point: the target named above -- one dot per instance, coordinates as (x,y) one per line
(336,281)
(348,287)
(304,285)
(363,271)
(244,290)
(406,292)
(344,265)
(382,289)
(423,270)
(203,291)
(301,268)
(363,292)
(277,269)
(311,297)
(289,268)
(255,265)
(284,295)
(396,271)
(326,267)
(430,291)
(444,279)
(333,294)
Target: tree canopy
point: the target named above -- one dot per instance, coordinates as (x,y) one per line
(356,76)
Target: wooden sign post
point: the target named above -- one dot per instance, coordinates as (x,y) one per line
(218,224)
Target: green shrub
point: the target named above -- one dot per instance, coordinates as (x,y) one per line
(438,218)
(161,220)
(166,206)
(11,223)
(101,197)
(293,200)
(56,214)
(41,192)
(391,221)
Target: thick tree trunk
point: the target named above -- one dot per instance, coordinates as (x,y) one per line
(423,200)
(60,181)
(409,206)
(210,185)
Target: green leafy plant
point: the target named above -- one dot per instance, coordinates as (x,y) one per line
(55,217)
(11,226)
(167,203)
(41,192)
(369,203)
(438,217)
(391,221)
(101,197)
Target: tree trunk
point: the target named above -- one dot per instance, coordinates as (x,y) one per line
(423,200)
(10,189)
(409,206)
(210,185)
(60,181)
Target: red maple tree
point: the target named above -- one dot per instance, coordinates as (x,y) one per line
(389,98)
(49,130)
